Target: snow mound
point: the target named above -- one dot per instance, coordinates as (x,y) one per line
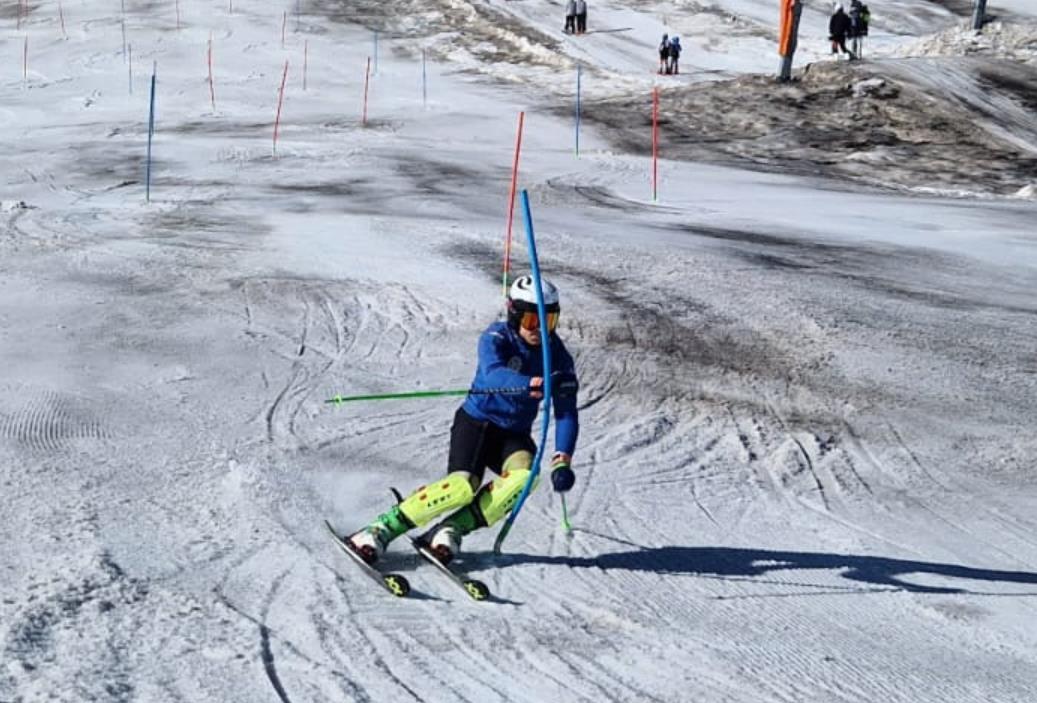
(1011,41)
(875,88)
(1028,192)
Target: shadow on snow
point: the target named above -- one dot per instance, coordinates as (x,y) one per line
(738,564)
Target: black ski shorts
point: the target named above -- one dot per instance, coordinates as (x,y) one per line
(476,446)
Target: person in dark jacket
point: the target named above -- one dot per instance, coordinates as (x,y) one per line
(492,431)
(675,56)
(570,17)
(581,16)
(859,18)
(838,29)
(664,54)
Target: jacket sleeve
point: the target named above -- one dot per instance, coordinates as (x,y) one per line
(493,361)
(564,388)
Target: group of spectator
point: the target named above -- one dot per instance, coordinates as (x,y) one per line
(843,26)
(575,17)
(669,55)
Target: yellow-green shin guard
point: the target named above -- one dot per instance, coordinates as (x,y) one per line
(429,502)
(496,499)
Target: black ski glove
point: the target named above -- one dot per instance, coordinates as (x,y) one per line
(564,384)
(562,476)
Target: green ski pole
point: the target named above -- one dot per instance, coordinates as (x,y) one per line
(566,525)
(339,399)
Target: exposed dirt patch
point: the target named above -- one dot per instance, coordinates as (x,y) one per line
(837,120)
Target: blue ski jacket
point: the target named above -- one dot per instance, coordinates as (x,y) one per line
(506,361)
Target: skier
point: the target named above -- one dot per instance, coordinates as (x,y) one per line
(570,17)
(838,27)
(492,431)
(675,55)
(664,54)
(581,16)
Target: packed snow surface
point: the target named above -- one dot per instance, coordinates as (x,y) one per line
(808,368)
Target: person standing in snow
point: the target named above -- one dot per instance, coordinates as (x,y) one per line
(570,17)
(492,431)
(838,28)
(581,16)
(859,16)
(664,54)
(675,55)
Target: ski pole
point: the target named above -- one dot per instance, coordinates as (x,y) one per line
(338,399)
(566,525)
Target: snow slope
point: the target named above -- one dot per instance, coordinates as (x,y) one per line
(805,465)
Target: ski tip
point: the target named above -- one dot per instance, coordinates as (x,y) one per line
(397,585)
(477,589)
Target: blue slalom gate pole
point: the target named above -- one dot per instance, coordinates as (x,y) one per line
(545,348)
(151,133)
(579,68)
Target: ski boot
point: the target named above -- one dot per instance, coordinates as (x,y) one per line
(444,541)
(370,543)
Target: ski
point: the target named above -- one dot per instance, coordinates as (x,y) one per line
(393,583)
(476,590)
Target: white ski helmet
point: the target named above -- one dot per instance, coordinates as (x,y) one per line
(522,298)
(523,292)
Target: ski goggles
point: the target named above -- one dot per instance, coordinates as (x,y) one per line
(531,321)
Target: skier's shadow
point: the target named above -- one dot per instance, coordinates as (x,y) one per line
(728,563)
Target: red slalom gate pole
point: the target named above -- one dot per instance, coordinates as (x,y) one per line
(511,206)
(212,88)
(367,81)
(655,144)
(280,100)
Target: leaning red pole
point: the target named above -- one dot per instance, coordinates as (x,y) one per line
(367,82)
(280,100)
(655,143)
(511,206)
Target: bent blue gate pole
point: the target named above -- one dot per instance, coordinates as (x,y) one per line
(545,348)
